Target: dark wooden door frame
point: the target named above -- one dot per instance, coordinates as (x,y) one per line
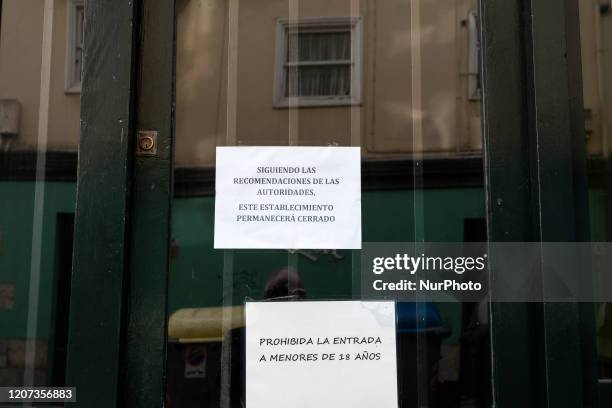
(536,186)
(116,352)
(100,259)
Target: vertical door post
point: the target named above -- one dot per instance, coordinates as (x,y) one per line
(145,357)
(535,165)
(100,249)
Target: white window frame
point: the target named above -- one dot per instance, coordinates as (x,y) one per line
(72,84)
(283,26)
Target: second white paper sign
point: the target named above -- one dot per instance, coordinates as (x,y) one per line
(321,354)
(282,197)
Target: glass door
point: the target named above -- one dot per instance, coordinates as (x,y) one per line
(400,81)
(267,148)
(245,169)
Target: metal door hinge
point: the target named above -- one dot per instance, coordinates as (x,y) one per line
(147,143)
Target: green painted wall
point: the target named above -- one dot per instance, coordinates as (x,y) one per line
(16,222)
(196,274)
(597,214)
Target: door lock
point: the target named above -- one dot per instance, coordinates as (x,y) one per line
(147,143)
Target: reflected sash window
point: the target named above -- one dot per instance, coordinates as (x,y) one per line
(318,62)
(74,45)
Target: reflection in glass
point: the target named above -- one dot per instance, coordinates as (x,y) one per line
(398,78)
(39,132)
(595,30)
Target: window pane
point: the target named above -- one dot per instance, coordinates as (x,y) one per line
(319,46)
(319,81)
(78,43)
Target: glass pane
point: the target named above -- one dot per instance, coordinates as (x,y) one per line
(319,81)
(595,30)
(39,134)
(79,17)
(319,46)
(418,126)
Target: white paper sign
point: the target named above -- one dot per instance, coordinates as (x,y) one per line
(288,197)
(321,354)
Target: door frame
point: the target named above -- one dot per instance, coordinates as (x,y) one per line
(117,339)
(549,346)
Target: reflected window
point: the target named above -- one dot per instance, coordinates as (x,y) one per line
(74,47)
(473,57)
(318,62)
